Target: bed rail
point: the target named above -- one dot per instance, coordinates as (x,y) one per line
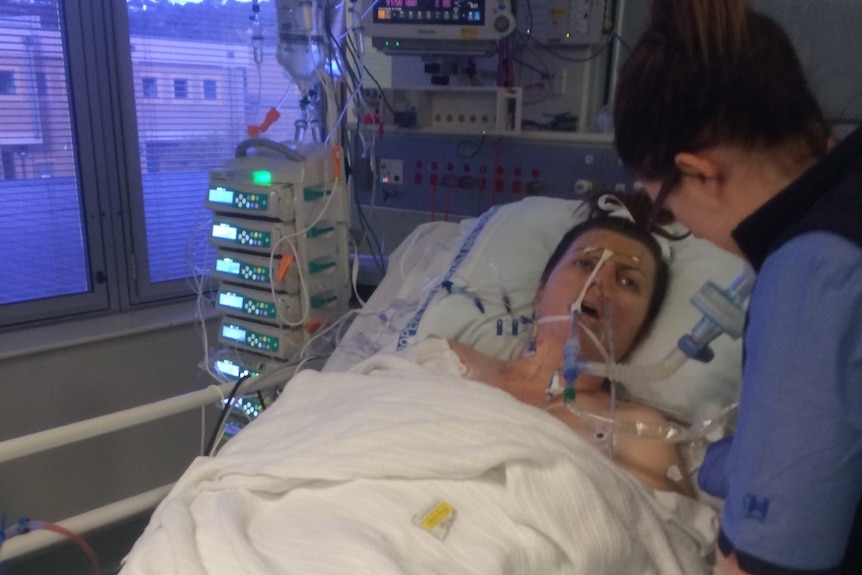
(79,431)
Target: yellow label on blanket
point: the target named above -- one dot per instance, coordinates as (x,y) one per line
(437,520)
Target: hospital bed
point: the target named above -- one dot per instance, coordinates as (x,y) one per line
(385,461)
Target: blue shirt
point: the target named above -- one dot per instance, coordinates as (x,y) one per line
(794,471)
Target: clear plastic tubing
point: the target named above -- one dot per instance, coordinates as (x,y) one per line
(635,374)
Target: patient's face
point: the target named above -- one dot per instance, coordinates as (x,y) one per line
(625,283)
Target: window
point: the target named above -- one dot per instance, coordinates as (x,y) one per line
(42,83)
(106,215)
(181,88)
(7,83)
(210,90)
(179,144)
(52,251)
(150,87)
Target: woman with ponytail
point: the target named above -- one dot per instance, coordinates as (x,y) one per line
(714,115)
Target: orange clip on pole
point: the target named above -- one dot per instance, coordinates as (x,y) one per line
(336,162)
(285,263)
(271,116)
(312,325)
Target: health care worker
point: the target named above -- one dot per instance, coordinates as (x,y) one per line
(713,114)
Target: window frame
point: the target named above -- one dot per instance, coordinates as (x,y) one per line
(103,119)
(181,86)
(10,74)
(155,87)
(139,291)
(87,95)
(210,86)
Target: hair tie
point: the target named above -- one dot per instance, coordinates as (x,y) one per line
(615,208)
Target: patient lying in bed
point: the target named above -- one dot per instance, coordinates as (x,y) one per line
(616,271)
(345,472)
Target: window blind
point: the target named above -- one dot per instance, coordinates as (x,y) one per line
(197,89)
(44,253)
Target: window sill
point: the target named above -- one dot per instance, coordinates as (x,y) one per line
(82,332)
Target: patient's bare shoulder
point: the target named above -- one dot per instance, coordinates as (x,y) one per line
(517,378)
(479,366)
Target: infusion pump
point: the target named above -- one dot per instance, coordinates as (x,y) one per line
(279,224)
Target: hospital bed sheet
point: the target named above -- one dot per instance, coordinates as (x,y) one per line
(332,479)
(418,261)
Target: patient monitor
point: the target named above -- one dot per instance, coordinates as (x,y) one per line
(438,26)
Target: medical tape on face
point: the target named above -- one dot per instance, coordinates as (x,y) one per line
(606,255)
(576,305)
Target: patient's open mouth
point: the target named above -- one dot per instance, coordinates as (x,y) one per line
(589,310)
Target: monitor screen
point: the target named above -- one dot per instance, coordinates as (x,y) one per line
(454,12)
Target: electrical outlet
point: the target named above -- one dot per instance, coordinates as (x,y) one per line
(558,82)
(391,171)
(554,84)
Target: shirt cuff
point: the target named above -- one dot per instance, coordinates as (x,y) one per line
(751,564)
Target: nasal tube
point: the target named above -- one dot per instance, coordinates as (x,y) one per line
(722,313)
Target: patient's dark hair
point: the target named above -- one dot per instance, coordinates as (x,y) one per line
(640,207)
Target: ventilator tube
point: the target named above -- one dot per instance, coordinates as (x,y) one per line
(722,313)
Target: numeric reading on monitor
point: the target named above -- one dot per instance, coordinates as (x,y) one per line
(430,11)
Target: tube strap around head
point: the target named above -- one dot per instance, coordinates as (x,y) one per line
(616,209)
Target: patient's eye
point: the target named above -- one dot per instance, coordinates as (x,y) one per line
(629,282)
(583,262)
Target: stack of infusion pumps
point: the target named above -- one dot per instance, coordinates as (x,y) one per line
(280,227)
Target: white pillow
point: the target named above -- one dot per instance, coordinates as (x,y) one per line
(510,248)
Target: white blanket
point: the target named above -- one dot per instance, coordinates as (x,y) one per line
(329,479)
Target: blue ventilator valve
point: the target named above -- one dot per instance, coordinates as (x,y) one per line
(722,313)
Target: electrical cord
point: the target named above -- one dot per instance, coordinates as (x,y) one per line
(24,526)
(211,445)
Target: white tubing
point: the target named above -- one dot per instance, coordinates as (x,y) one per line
(84,523)
(636,374)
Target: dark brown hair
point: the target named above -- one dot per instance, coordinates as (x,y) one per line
(640,208)
(707,72)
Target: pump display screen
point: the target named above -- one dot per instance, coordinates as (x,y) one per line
(221,195)
(230,299)
(228,368)
(224,231)
(227,266)
(456,12)
(233,332)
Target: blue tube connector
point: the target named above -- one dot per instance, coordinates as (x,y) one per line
(722,313)
(571,354)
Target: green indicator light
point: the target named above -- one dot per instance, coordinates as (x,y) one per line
(262,177)
(568,35)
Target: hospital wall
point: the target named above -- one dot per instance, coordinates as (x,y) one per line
(79,381)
